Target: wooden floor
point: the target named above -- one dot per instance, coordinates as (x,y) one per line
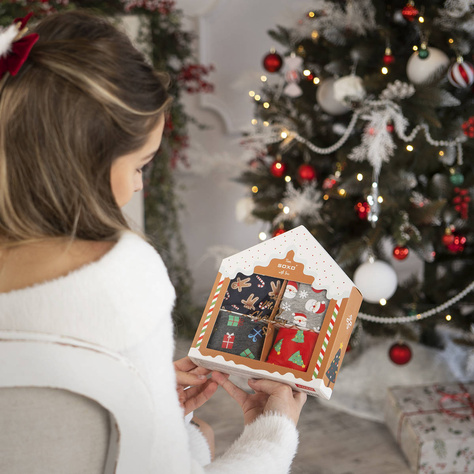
(331,442)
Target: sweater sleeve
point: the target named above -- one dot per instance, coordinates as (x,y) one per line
(267,445)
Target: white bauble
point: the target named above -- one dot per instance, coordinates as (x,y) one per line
(243,211)
(326,100)
(376,280)
(420,70)
(349,89)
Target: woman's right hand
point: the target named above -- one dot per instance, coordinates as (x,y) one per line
(269,396)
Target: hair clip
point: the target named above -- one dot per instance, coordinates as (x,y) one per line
(15,46)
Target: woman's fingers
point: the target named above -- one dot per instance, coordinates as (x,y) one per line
(188,378)
(235,392)
(197,396)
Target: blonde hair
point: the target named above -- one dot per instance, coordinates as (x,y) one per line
(84,97)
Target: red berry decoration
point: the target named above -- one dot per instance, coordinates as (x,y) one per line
(468,127)
(400,252)
(461,202)
(362,209)
(390,127)
(400,353)
(272,62)
(458,243)
(278,232)
(410,12)
(278,169)
(388,57)
(306,173)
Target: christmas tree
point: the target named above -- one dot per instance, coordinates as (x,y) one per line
(297,359)
(299,337)
(333,368)
(364,133)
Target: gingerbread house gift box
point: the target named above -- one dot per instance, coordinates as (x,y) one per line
(282,310)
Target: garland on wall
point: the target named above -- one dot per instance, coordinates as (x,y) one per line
(170,49)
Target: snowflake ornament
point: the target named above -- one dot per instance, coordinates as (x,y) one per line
(303,294)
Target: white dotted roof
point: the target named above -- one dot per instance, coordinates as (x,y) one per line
(308,251)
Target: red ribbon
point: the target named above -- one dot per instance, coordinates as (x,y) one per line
(20,49)
(464,400)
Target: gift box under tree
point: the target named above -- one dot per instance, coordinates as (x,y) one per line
(434,426)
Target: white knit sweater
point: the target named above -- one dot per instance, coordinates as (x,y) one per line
(123,302)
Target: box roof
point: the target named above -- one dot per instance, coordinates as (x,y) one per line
(308,251)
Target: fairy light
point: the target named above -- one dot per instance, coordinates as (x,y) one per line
(262,236)
(311,14)
(278,165)
(342,192)
(450,41)
(383,302)
(326,197)
(360,177)
(415,48)
(316,80)
(284,135)
(314,35)
(280,206)
(409,147)
(448,317)
(255,189)
(306,72)
(287,179)
(266,105)
(252,93)
(441,153)
(421,19)
(380,199)
(263,78)
(286,210)
(257,97)
(266,124)
(384,70)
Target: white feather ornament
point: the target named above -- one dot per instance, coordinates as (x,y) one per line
(7,36)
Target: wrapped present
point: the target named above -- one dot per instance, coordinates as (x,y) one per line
(434,426)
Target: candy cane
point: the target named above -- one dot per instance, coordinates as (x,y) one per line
(235,307)
(262,283)
(209,313)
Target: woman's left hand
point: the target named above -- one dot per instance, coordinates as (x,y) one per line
(201,388)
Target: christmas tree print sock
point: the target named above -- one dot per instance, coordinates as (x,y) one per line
(238,334)
(293,348)
(254,295)
(303,306)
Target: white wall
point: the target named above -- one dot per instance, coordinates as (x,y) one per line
(232,36)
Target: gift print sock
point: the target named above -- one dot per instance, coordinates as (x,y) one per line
(303,306)
(254,295)
(238,334)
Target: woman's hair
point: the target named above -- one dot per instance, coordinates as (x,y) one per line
(84,97)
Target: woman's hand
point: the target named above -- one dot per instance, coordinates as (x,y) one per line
(200,390)
(269,396)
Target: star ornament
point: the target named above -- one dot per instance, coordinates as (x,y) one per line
(15,46)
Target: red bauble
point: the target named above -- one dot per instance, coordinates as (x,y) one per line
(272,62)
(400,353)
(306,173)
(458,243)
(278,169)
(410,12)
(468,127)
(390,127)
(278,232)
(447,239)
(400,252)
(388,59)
(362,209)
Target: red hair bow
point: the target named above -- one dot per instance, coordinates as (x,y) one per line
(16,49)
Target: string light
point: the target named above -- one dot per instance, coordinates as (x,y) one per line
(252,93)
(257,97)
(311,14)
(266,105)
(314,35)
(254,121)
(415,48)
(286,210)
(306,72)
(360,177)
(448,317)
(380,199)
(441,153)
(450,41)
(326,197)
(284,135)
(263,78)
(262,236)
(255,189)
(316,80)
(409,148)
(342,192)
(421,19)
(383,302)
(384,70)
(266,124)
(287,179)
